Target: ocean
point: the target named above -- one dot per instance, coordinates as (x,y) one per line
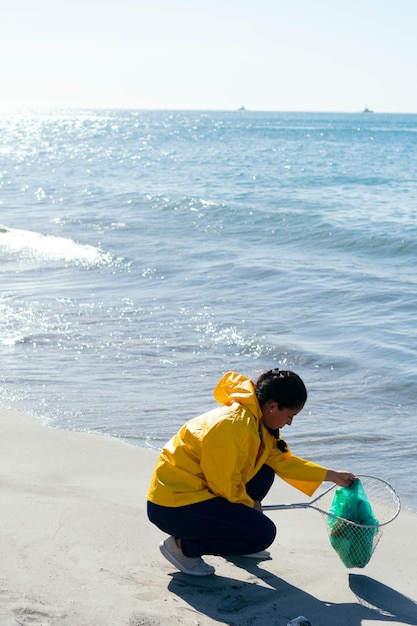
(145,253)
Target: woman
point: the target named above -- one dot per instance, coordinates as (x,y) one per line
(210,478)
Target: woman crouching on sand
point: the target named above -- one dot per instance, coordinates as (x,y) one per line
(210,478)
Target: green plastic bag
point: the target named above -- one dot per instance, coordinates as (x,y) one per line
(353,543)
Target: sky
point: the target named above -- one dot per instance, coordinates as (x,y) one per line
(272,55)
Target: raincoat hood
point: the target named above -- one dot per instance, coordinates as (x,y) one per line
(233,387)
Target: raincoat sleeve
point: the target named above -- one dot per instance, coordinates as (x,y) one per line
(304,475)
(225,459)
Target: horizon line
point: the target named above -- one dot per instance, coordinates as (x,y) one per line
(9,108)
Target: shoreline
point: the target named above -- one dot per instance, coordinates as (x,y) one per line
(77,549)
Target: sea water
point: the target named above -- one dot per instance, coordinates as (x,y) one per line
(145,253)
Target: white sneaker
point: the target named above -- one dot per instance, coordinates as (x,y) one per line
(262,554)
(195,566)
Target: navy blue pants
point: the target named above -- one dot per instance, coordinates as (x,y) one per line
(218,526)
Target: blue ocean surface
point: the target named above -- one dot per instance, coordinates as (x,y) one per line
(145,253)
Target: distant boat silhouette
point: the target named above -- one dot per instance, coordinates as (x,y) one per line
(366,110)
(241,109)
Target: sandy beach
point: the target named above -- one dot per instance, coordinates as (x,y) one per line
(77,549)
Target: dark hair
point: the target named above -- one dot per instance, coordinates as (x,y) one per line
(281,386)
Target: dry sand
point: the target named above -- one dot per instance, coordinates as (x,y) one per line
(77,549)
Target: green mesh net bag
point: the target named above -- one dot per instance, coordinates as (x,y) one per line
(354,537)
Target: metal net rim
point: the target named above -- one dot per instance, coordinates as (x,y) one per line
(396,504)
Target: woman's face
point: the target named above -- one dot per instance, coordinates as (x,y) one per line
(273,417)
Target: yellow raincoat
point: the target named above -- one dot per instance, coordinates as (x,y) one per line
(217,453)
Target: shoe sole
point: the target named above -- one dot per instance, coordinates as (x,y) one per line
(258,556)
(171,558)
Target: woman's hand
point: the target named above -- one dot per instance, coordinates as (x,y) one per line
(340,477)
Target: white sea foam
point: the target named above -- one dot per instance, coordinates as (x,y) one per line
(17,244)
